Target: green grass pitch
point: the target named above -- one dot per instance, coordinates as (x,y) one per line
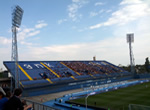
(121,98)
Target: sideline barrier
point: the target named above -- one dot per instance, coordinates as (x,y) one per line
(98,89)
(106,87)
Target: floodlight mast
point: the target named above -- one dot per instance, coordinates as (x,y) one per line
(130,39)
(16,22)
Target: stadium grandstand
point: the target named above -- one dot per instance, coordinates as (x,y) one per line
(62,75)
(60,82)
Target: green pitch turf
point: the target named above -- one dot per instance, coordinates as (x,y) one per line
(121,98)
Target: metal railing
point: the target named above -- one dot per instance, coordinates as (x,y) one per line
(38,106)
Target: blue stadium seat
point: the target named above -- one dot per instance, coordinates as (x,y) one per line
(49,72)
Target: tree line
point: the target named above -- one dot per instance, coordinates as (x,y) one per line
(145,68)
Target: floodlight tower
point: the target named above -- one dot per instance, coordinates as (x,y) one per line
(16,22)
(130,39)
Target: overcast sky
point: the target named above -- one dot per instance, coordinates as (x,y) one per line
(77,30)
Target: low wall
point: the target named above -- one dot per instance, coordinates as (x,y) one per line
(144,76)
(70,86)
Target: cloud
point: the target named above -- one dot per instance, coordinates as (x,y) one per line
(92,14)
(130,2)
(34,33)
(25,33)
(22,33)
(108,49)
(99,3)
(61,21)
(5,54)
(4,41)
(26,43)
(22,37)
(40,24)
(105,50)
(108,11)
(113,49)
(129,11)
(74,7)
(75,0)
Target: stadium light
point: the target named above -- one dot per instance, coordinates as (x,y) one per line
(16,22)
(17,16)
(130,40)
(92,93)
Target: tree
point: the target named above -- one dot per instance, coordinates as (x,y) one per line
(147,65)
